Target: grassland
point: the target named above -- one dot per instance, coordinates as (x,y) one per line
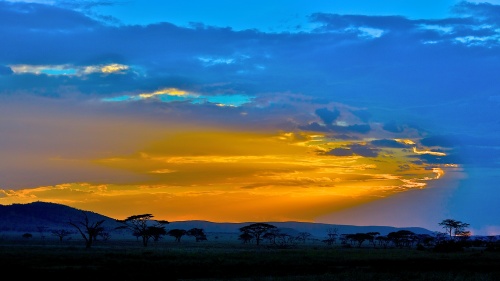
(228,260)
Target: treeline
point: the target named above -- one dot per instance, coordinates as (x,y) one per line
(145,228)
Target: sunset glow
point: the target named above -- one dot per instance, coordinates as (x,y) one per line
(223,175)
(354,112)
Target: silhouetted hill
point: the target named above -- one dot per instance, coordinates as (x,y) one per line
(316,229)
(28,217)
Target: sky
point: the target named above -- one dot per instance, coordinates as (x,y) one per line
(341,112)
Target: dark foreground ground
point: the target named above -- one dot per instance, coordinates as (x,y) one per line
(128,260)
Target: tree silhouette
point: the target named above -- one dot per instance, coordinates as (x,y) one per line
(271,235)
(383,241)
(332,234)
(402,238)
(279,238)
(303,236)
(373,236)
(157,232)
(143,226)
(359,238)
(177,233)
(198,233)
(257,230)
(61,233)
(245,237)
(88,230)
(454,226)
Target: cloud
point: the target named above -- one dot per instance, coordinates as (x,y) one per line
(250,62)
(355,149)
(178,95)
(363,115)
(482,11)
(478,151)
(315,127)
(20,15)
(388,143)
(435,159)
(326,115)
(356,128)
(393,127)
(339,23)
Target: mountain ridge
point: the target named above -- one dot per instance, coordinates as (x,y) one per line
(30,216)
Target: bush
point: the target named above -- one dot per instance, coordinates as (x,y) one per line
(420,247)
(449,246)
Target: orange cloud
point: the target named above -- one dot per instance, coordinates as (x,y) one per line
(222,175)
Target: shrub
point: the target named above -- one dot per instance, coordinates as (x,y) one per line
(448,246)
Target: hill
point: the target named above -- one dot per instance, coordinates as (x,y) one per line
(316,229)
(29,217)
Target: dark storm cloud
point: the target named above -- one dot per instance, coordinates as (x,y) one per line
(314,127)
(393,127)
(355,149)
(433,159)
(326,115)
(340,152)
(357,128)
(364,150)
(388,143)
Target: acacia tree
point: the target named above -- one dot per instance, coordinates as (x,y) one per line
(332,236)
(383,241)
(402,238)
(88,230)
(373,236)
(303,236)
(61,233)
(197,233)
(143,226)
(257,230)
(454,227)
(359,238)
(245,237)
(177,233)
(157,232)
(279,238)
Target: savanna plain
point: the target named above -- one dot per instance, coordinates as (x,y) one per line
(226,259)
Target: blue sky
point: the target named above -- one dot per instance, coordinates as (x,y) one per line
(361,113)
(266,16)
